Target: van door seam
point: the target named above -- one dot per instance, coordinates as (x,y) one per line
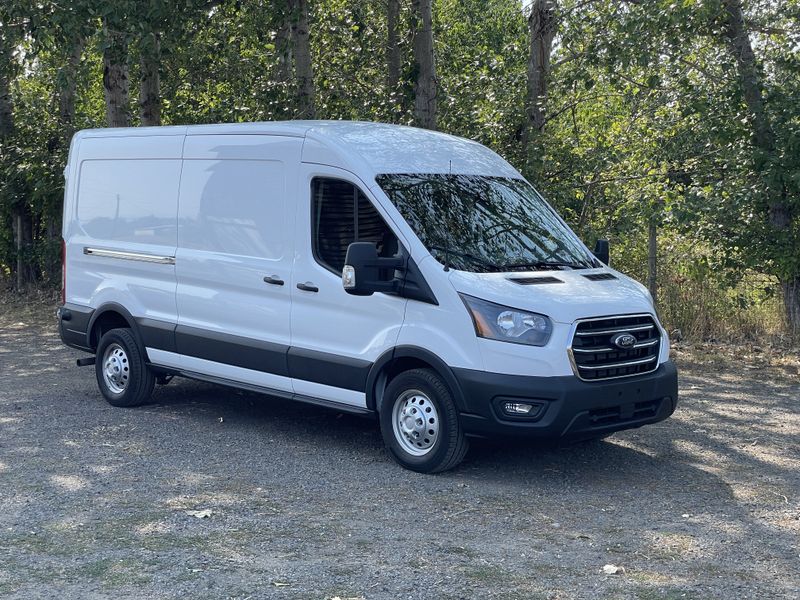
(177,226)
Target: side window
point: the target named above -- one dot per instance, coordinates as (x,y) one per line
(129,200)
(340,215)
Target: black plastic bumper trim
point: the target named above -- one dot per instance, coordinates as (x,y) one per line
(73,325)
(574,408)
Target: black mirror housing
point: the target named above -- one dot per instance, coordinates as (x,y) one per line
(601,251)
(361,275)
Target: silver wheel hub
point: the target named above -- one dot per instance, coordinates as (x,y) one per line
(415,422)
(116,368)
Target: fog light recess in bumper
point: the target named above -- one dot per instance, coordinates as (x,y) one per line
(518,409)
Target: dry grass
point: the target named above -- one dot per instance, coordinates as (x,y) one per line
(35,306)
(774,360)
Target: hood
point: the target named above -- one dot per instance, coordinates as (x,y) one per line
(573,296)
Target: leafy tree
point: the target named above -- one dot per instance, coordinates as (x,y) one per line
(671,127)
(425,92)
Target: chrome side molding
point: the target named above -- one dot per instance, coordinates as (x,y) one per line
(108,253)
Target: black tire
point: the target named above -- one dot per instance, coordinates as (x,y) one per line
(449,444)
(133,380)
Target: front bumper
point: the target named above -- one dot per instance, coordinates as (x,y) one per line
(572,409)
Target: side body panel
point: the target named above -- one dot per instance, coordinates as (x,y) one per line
(335,336)
(446,329)
(120,215)
(235,223)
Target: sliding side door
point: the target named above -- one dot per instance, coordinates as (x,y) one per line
(234,258)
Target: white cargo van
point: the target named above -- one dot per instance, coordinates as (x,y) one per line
(376,269)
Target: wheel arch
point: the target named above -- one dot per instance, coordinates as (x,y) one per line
(404,358)
(109,316)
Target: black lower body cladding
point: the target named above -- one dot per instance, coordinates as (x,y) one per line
(73,323)
(571,409)
(565,407)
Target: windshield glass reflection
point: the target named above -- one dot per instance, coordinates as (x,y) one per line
(485,224)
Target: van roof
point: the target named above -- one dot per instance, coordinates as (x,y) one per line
(366,148)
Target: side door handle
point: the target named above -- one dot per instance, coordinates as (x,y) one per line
(273,280)
(307,287)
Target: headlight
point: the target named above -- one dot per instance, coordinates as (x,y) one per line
(497,322)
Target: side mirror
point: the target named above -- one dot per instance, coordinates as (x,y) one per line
(365,272)
(601,251)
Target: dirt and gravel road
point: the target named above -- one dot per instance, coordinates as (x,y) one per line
(304,503)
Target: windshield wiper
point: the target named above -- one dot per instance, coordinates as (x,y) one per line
(472,257)
(540,264)
(544,264)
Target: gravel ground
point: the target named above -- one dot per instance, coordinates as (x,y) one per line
(305,503)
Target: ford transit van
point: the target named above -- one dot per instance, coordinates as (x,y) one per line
(376,269)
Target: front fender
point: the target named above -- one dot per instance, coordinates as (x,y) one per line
(414,352)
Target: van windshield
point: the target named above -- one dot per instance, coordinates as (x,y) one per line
(485,224)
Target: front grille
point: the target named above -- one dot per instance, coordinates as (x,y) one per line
(596,356)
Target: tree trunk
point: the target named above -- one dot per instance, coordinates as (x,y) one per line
(393,58)
(767,162)
(31,266)
(150,81)
(742,51)
(791,301)
(425,65)
(6,106)
(67,85)
(283,46)
(542,27)
(6,131)
(18,237)
(22,229)
(115,79)
(652,258)
(763,134)
(304,71)
(66,89)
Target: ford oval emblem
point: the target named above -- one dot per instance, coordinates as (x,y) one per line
(625,341)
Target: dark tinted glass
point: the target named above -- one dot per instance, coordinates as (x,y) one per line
(334,205)
(484,224)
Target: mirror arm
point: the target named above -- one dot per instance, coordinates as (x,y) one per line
(387,263)
(601,251)
(392,286)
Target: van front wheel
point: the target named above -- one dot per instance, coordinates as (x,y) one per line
(419,423)
(122,374)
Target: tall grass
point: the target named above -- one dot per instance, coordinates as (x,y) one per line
(705,300)
(702,309)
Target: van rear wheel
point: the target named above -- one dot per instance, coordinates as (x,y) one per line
(419,422)
(123,376)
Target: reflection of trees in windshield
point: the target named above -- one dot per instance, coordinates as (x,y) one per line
(483,221)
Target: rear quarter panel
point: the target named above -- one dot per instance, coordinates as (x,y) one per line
(122,195)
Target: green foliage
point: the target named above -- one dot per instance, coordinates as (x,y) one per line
(482,53)
(646,119)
